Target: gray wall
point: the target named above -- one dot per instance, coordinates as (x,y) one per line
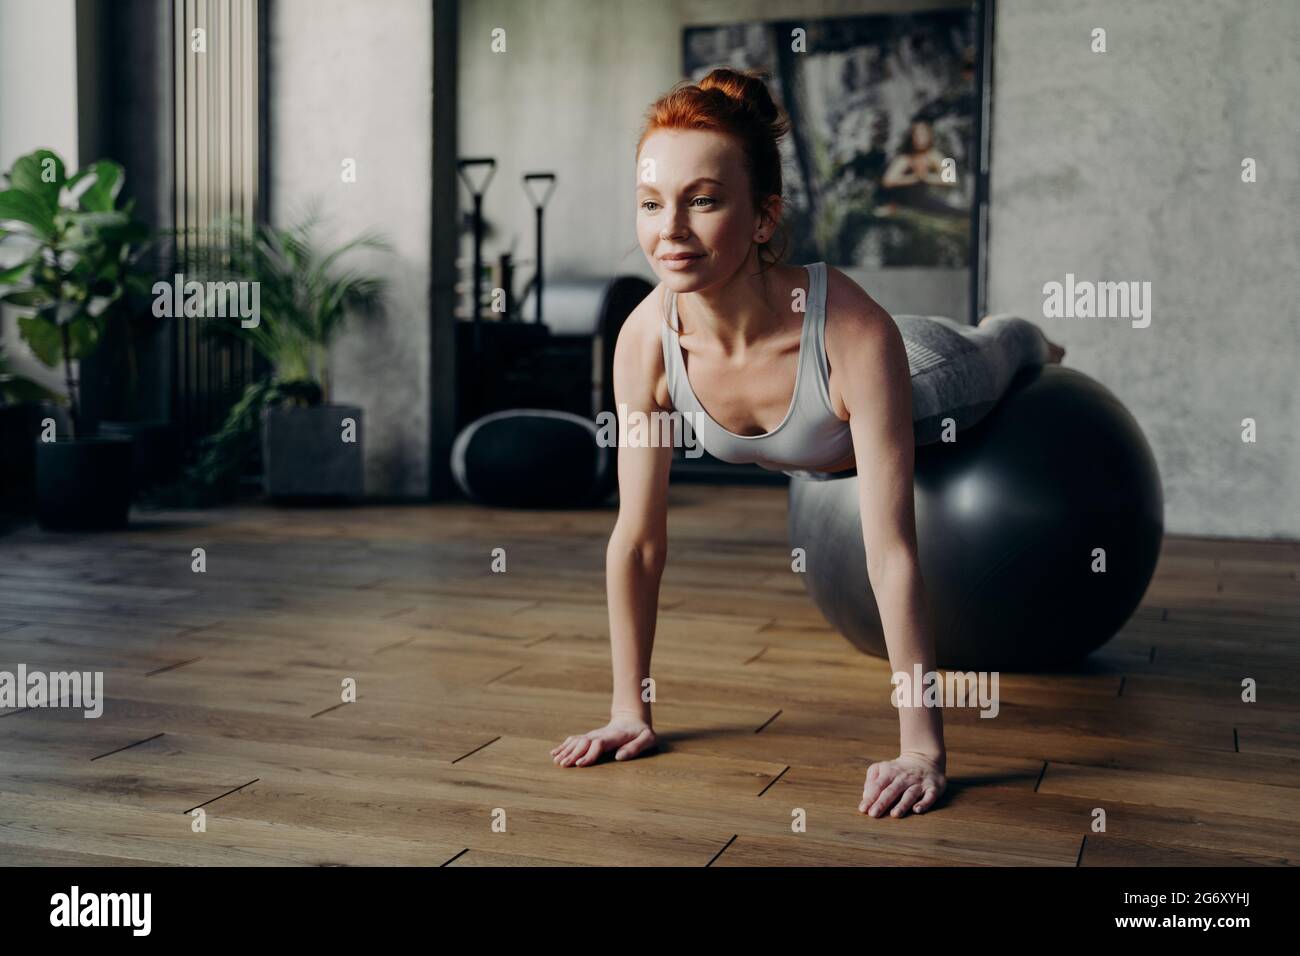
(37,39)
(570,95)
(355,80)
(1127,166)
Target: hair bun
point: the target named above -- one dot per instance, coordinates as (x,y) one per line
(748,88)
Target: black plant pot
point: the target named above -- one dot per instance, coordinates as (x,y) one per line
(157,449)
(20,428)
(304,456)
(17,460)
(84,484)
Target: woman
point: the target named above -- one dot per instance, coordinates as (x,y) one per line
(919,163)
(753,333)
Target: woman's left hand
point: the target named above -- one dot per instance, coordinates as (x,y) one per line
(909,782)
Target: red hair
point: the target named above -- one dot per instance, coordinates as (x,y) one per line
(738,104)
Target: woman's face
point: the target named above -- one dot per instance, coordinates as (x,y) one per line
(693,198)
(922,137)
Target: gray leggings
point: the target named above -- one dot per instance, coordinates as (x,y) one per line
(960,371)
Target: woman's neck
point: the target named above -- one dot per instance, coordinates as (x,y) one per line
(744,309)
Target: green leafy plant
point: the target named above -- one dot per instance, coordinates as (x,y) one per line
(306,294)
(77,257)
(15,388)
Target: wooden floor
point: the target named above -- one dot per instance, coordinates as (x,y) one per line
(223,692)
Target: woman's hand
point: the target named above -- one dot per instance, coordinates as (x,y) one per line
(912,781)
(629,733)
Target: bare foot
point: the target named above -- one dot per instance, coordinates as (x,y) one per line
(911,781)
(1055,353)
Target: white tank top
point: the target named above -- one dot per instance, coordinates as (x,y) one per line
(810,439)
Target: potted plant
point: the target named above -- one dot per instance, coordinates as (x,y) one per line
(311,448)
(77,251)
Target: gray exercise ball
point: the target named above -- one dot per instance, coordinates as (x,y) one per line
(1008,518)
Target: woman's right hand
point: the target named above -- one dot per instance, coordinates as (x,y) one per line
(628,733)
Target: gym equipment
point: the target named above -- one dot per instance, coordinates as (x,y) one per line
(566,364)
(476,289)
(1009,518)
(462,166)
(533,458)
(539,207)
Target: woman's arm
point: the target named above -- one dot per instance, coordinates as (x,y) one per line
(638,546)
(899,172)
(934,169)
(637,550)
(875,385)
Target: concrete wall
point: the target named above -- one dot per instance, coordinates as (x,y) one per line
(37,42)
(1127,166)
(570,95)
(354,80)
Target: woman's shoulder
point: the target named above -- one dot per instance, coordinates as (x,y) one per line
(862,336)
(638,350)
(642,327)
(850,310)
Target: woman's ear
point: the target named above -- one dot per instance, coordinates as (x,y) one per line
(769,217)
